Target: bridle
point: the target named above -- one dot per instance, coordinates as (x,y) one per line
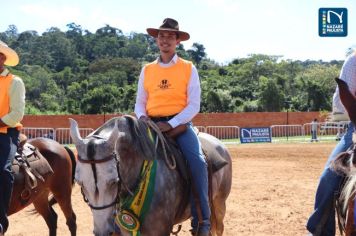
(113,156)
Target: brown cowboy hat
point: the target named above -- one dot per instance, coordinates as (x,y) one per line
(169,25)
(12,59)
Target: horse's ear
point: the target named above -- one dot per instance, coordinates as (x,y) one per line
(74,132)
(347,99)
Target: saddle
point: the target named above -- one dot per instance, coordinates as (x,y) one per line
(30,164)
(215,162)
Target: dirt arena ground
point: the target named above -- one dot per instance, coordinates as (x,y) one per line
(272,193)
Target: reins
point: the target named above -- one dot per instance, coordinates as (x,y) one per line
(122,182)
(160,138)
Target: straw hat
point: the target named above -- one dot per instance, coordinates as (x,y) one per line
(169,25)
(12,59)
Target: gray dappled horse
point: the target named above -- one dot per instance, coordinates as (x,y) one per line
(345,164)
(128,137)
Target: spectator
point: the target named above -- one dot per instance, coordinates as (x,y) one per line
(314,130)
(50,134)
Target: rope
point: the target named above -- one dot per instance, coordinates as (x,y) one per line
(172,162)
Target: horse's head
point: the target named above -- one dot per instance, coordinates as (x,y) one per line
(97,174)
(348,99)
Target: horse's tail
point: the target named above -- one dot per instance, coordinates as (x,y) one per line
(52,200)
(74,162)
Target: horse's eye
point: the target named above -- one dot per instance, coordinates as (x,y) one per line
(113,183)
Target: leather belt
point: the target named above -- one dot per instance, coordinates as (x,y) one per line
(162,118)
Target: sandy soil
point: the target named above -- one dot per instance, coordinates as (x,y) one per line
(272,193)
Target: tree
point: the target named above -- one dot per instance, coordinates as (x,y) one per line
(197,53)
(11,34)
(271,97)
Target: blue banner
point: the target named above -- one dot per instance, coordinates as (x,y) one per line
(255,135)
(332,22)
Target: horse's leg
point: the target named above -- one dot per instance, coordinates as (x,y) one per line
(46,211)
(218,213)
(63,196)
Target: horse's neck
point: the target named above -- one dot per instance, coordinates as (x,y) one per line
(130,170)
(168,199)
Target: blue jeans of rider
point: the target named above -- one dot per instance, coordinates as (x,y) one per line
(329,184)
(190,146)
(8,146)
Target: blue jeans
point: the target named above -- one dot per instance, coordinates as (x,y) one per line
(329,184)
(313,133)
(8,146)
(190,146)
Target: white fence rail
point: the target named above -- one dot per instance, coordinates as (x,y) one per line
(61,135)
(224,132)
(287,132)
(201,128)
(230,134)
(36,132)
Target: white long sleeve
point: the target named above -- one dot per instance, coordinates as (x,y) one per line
(347,74)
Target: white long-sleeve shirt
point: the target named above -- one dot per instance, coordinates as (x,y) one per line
(347,74)
(193,96)
(17,101)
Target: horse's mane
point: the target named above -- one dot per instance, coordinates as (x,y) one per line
(142,143)
(140,140)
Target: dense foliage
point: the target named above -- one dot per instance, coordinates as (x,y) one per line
(81,72)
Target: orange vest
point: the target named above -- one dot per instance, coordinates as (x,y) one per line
(167,88)
(5,83)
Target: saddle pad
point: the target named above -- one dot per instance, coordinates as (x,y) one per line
(35,160)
